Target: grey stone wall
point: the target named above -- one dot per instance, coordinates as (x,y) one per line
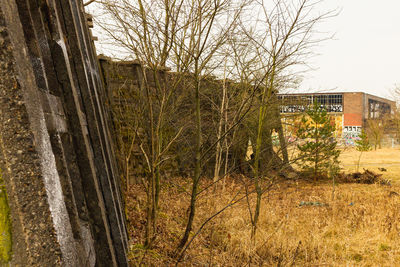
(56,149)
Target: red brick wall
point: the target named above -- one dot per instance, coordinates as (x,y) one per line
(352,119)
(353,109)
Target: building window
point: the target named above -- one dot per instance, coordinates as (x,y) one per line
(300,103)
(335,103)
(377,109)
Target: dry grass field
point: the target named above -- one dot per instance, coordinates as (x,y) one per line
(358,226)
(388,158)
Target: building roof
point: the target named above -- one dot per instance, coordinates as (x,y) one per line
(339,93)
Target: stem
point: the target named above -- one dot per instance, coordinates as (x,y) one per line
(218,151)
(263,110)
(359,159)
(282,142)
(197,171)
(316,162)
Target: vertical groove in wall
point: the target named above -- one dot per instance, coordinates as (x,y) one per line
(60,107)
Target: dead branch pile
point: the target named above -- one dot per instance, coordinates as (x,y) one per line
(368,177)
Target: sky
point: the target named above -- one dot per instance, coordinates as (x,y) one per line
(364,54)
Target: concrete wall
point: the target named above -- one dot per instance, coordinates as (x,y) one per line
(56,152)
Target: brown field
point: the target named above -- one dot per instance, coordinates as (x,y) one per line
(388,158)
(360,226)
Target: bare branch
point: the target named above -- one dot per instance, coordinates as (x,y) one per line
(89,2)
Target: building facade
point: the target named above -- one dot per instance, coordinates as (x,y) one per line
(349,111)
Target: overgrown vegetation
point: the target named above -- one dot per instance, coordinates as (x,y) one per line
(207,78)
(358,227)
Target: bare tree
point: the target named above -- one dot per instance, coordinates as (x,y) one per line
(282,38)
(187,36)
(207,27)
(375,130)
(198,39)
(147,29)
(396,112)
(223,120)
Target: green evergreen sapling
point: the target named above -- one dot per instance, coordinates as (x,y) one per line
(362,145)
(318,152)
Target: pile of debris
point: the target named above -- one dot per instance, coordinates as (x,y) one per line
(368,177)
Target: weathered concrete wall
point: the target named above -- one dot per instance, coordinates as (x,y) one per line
(55,146)
(126,91)
(126,95)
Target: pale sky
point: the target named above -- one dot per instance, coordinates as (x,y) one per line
(365,52)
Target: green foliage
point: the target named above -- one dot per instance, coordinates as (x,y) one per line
(5,226)
(318,153)
(384,247)
(357,257)
(363,144)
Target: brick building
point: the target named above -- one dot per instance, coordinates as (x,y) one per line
(349,110)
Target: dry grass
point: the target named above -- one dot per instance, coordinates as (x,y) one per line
(388,158)
(360,226)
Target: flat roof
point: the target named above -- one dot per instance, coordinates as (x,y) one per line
(332,93)
(338,93)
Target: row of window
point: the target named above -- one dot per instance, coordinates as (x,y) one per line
(377,109)
(332,99)
(331,102)
(300,103)
(302,108)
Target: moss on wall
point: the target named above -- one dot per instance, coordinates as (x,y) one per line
(5,225)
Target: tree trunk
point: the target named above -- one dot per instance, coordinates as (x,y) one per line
(219,148)
(282,142)
(257,177)
(197,170)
